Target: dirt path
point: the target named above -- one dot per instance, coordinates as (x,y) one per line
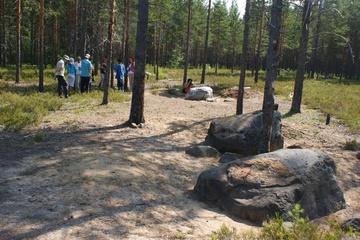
(92,177)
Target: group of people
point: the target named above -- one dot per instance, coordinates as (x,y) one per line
(81,73)
(120,74)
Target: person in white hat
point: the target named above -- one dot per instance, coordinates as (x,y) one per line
(59,74)
(86,70)
(71,75)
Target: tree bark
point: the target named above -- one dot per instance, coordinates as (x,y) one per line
(240,98)
(137,102)
(316,41)
(83,26)
(206,43)
(41,47)
(272,63)
(55,48)
(18,42)
(258,54)
(109,51)
(300,72)
(3,34)
(187,42)
(127,44)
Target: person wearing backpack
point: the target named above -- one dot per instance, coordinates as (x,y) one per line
(120,74)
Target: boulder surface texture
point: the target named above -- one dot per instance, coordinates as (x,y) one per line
(241,133)
(257,187)
(199,93)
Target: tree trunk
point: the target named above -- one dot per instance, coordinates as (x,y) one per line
(75,24)
(206,43)
(300,72)
(155,48)
(316,41)
(258,54)
(272,63)
(187,42)
(18,42)
(109,51)
(137,102)
(83,26)
(3,34)
(240,98)
(55,48)
(41,47)
(127,45)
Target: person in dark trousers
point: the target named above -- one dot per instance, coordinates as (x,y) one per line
(120,74)
(60,76)
(86,70)
(102,73)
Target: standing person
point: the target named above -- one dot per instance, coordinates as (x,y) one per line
(59,74)
(120,74)
(102,72)
(86,70)
(131,70)
(71,75)
(78,73)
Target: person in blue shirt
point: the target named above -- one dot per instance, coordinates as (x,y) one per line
(86,70)
(120,74)
(71,75)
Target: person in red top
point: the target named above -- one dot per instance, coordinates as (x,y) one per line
(189,84)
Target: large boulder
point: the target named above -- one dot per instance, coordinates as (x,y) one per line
(241,133)
(257,187)
(199,93)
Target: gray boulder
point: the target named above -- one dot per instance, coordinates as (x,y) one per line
(202,151)
(199,93)
(241,133)
(353,222)
(257,187)
(228,157)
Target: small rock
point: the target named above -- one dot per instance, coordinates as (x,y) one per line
(229,100)
(353,222)
(202,151)
(133,125)
(228,157)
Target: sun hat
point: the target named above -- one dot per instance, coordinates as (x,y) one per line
(66,57)
(72,60)
(87,56)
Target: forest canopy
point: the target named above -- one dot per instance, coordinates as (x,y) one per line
(72,29)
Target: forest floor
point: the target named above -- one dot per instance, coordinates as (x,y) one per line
(91,176)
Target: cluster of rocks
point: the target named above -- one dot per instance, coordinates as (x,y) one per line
(256,187)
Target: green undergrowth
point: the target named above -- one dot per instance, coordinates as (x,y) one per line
(330,96)
(298,227)
(336,97)
(21,104)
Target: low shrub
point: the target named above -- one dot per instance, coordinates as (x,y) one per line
(298,228)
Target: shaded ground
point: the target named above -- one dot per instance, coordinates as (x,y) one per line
(92,177)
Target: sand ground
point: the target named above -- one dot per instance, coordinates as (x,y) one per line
(93,177)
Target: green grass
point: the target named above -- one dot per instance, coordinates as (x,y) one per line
(330,96)
(299,228)
(22,105)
